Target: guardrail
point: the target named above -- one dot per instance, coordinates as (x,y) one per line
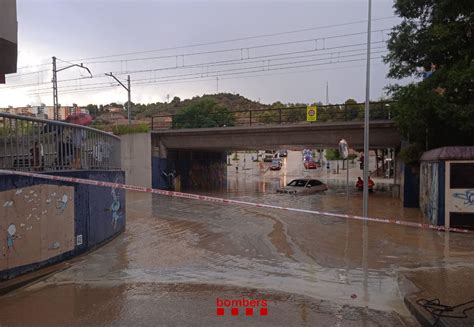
(32,144)
(286,115)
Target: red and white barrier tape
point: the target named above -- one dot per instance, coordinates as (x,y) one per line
(220,200)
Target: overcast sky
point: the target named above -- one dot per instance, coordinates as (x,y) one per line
(289,67)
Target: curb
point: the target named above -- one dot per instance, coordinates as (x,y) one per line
(423,317)
(24,280)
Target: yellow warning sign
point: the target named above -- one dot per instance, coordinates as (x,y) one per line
(311,113)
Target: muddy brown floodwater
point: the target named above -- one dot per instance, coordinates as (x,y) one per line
(177,257)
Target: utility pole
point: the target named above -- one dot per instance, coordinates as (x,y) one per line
(366,118)
(327,93)
(128,90)
(55,84)
(55,91)
(129,99)
(365,227)
(217,84)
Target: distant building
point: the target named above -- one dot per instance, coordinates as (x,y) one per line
(44,112)
(115,109)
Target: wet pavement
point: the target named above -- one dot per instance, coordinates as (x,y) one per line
(178,256)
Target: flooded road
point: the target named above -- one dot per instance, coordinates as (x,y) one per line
(178,257)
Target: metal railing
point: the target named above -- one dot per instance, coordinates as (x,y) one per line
(382,110)
(32,144)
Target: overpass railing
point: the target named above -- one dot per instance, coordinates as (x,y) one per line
(32,144)
(270,116)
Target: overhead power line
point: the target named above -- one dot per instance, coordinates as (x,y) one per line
(274,57)
(218,42)
(323,47)
(264,63)
(171,80)
(248,60)
(247,48)
(235,39)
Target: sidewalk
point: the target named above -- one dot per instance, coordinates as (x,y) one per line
(444,296)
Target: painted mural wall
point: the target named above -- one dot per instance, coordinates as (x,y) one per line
(429,190)
(43,222)
(36,224)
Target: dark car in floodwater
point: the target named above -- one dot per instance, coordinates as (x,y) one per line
(303,186)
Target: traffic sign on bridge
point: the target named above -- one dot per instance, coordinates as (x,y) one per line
(311,113)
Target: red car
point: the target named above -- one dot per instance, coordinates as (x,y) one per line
(311,164)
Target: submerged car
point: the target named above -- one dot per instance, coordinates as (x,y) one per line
(303,186)
(310,164)
(275,165)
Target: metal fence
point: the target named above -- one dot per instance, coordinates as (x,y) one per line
(270,116)
(32,144)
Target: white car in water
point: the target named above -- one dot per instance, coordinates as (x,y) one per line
(303,186)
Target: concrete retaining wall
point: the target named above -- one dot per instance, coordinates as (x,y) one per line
(44,222)
(136,158)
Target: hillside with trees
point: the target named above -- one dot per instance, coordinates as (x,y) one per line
(224,109)
(233,102)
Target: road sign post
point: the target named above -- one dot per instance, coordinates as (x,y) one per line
(311,113)
(344,153)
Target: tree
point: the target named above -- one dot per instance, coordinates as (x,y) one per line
(176,100)
(93,109)
(333,154)
(353,110)
(434,39)
(277,104)
(203,113)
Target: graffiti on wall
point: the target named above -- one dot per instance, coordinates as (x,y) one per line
(467,197)
(36,223)
(115,207)
(460,200)
(429,189)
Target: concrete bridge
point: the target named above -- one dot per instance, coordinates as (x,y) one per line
(182,149)
(383,134)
